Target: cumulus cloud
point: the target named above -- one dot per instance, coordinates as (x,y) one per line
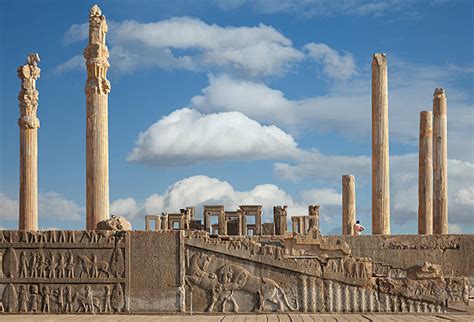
(346,109)
(51,205)
(187,136)
(124,207)
(335,65)
(191,44)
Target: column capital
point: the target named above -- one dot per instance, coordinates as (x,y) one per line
(28,96)
(97,54)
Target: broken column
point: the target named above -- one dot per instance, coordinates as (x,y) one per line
(425,175)
(97,142)
(348,204)
(380,151)
(29,124)
(440,163)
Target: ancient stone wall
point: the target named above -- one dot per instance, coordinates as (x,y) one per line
(104,272)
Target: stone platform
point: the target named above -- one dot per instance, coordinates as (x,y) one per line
(182,272)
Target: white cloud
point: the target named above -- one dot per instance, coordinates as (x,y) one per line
(124,207)
(187,136)
(76,62)
(51,205)
(346,109)
(465,196)
(202,190)
(8,207)
(325,167)
(189,43)
(328,197)
(335,65)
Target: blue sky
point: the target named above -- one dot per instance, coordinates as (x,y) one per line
(235,101)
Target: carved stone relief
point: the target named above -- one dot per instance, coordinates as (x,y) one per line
(64,272)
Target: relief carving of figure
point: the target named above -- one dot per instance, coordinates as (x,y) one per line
(59,294)
(51,266)
(70,266)
(46,299)
(34,298)
(106,295)
(70,299)
(23,298)
(41,265)
(87,302)
(23,265)
(61,267)
(93,268)
(34,265)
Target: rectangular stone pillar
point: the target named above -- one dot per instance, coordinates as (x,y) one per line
(380,148)
(279,219)
(348,204)
(294,221)
(425,175)
(164,221)
(29,124)
(222,224)
(440,163)
(258,222)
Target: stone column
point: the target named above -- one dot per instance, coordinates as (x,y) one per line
(294,221)
(425,175)
(222,223)
(164,221)
(380,153)
(348,204)
(29,124)
(97,138)
(440,163)
(258,221)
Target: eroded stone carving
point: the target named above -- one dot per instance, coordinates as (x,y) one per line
(231,278)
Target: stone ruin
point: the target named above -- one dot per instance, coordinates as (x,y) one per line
(185,265)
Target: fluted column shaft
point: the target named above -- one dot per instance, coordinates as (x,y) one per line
(348,204)
(440,163)
(97,150)
(29,124)
(380,147)
(425,175)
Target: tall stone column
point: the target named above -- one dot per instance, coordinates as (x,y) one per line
(97,142)
(29,124)
(440,163)
(425,174)
(380,152)
(348,204)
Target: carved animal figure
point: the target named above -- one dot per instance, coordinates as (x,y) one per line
(93,268)
(264,288)
(198,276)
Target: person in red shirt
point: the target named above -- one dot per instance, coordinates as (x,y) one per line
(358,228)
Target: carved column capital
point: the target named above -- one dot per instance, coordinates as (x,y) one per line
(28,96)
(97,54)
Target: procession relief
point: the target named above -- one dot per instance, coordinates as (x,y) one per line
(40,275)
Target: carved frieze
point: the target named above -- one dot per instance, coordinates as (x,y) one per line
(64,271)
